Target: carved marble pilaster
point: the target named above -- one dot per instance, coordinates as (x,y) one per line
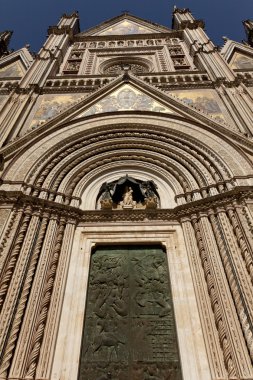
(240,108)
(54,312)
(243,236)
(9,234)
(17,273)
(236,357)
(44,304)
(17,320)
(13,257)
(34,308)
(238,278)
(215,354)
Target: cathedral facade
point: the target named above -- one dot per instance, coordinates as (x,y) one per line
(126,203)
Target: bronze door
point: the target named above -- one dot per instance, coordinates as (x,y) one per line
(129,329)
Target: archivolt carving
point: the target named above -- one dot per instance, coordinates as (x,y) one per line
(201,169)
(208,163)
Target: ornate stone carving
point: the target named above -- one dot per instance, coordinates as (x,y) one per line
(44,305)
(128,193)
(117,69)
(5,362)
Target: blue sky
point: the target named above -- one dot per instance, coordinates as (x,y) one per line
(29,19)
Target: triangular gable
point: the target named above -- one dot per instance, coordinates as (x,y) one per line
(126,98)
(237,55)
(174,108)
(15,69)
(241,61)
(16,63)
(124,25)
(153,100)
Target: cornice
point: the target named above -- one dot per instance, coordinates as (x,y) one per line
(238,196)
(168,34)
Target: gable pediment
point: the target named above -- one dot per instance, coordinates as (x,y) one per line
(15,64)
(127,98)
(130,94)
(241,61)
(237,55)
(14,69)
(125,25)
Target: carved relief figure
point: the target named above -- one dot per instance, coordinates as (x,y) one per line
(129,323)
(128,197)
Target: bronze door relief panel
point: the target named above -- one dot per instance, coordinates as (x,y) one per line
(129,329)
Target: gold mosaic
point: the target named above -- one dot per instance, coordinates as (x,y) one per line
(15,69)
(51,105)
(126,27)
(204,100)
(126,98)
(241,61)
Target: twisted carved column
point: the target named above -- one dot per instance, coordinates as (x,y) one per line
(33,307)
(44,305)
(9,235)
(50,335)
(9,267)
(237,276)
(15,327)
(215,353)
(242,240)
(236,358)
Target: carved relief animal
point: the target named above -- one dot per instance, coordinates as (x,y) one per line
(109,341)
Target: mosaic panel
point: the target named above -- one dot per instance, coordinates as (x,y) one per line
(241,61)
(51,105)
(125,27)
(126,98)
(204,100)
(15,69)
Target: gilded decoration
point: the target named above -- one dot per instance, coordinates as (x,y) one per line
(126,98)
(128,193)
(241,61)
(51,105)
(15,69)
(204,100)
(126,27)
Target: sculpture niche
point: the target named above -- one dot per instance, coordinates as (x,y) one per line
(128,193)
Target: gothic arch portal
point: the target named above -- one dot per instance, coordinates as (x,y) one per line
(189,163)
(76,123)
